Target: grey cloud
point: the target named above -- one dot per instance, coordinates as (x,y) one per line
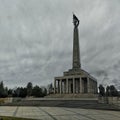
(36,40)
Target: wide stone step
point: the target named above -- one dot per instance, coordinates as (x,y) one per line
(52,102)
(85,104)
(72,96)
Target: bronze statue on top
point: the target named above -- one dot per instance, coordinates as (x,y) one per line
(75,21)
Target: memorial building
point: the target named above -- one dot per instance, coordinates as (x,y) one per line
(75,80)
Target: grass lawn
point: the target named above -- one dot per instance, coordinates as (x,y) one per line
(13,118)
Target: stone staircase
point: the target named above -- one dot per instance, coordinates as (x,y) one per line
(85,104)
(67,101)
(72,96)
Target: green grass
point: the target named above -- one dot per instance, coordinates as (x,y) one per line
(13,118)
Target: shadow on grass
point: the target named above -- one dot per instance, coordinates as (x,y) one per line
(13,118)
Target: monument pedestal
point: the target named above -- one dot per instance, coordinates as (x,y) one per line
(75,82)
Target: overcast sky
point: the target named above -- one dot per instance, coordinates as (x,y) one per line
(36,39)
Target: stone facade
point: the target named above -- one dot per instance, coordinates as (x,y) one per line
(75,80)
(75,83)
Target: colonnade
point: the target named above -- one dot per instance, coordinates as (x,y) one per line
(74,85)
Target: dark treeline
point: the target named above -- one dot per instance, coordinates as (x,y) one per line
(29,90)
(110,91)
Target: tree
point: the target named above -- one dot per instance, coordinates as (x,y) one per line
(23,92)
(3,91)
(44,91)
(19,92)
(113,91)
(107,91)
(101,90)
(37,91)
(50,88)
(10,92)
(29,89)
(16,92)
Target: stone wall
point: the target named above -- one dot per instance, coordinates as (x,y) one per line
(5,100)
(110,100)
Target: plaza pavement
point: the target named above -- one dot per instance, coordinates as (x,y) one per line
(59,113)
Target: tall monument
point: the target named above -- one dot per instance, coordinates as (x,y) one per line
(75,80)
(76,54)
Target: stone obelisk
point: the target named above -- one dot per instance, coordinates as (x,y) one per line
(76,52)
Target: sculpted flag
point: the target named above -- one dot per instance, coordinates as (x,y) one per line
(75,20)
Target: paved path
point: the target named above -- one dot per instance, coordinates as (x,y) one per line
(59,113)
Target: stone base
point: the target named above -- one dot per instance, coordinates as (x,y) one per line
(73,72)
(72,96)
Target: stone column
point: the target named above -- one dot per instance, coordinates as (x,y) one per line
(73,85)
(54,86)
(69,90)
(88,85)
(96,88)
(93,85)
(60,86)
(77,85)
(80,85)
(67,85)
